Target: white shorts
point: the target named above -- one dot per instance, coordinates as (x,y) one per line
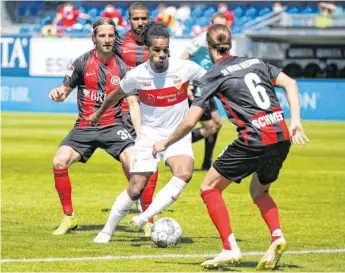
(142,160)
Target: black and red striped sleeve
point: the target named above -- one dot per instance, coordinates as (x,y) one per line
(74,75)
(207,87)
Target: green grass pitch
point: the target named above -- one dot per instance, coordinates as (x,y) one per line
(310,195)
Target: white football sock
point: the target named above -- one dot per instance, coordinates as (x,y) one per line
(120,209)
(164,198)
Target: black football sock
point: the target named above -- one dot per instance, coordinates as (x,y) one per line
(196,135)
(210,142)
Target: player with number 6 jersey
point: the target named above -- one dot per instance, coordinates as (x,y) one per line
(245,86)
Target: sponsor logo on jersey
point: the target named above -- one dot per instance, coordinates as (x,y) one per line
(150,98)
(94,95)
(198,92)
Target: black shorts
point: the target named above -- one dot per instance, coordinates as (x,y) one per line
(127,121)
(239,161)
(113,139)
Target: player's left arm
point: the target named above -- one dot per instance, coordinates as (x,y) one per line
(134,109)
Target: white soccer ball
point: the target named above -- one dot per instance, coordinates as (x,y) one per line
(166,232)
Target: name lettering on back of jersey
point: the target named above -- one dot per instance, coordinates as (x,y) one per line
(236,67)
(268,119)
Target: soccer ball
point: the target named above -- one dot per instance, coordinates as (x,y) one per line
(166,232)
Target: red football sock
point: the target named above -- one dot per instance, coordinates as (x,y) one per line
(147,195)
(219,214)
(269,212)
(64,189)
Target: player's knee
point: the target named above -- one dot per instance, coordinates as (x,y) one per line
(205,186)
(136,188)
(185,175)
(60,162)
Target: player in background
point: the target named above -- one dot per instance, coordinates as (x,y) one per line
(133,52)
(211,122)
(96,73)
(245,86)
(161,85)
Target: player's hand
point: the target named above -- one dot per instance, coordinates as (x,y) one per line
(56,95)
(158,147)
(297,133)
(93,118)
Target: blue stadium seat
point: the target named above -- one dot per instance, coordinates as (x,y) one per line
(25,30)
(238,11)
(197,12)
(21,10)
(93,12)
(307,10)
(265,11)
(203,21)
(251,12)
(294,10)
(35,9)
(209,12)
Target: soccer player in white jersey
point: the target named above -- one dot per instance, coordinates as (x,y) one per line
(161,86)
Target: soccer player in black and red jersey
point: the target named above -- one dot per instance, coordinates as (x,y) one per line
(245,86)
(133,52)
(95,74)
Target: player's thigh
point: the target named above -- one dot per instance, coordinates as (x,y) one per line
(180,158)
(214,180)
(142,160)
(257,189)
(125,157)
(115,140)
(79,141)
(65,156)
(237,162)
(272,161)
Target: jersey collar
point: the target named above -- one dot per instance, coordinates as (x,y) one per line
(224,57)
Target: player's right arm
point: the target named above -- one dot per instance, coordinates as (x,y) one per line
(134,110)
(60,94)
(291,89)
(72,78)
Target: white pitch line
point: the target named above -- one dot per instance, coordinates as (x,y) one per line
(142,257)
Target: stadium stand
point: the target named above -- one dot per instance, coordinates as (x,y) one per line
(291,34)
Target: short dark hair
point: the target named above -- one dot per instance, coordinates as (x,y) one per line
(219,37)
(153,30)
(218,15)
(136,6)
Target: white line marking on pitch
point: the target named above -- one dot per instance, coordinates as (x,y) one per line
(141,257)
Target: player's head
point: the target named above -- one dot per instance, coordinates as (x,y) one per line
(104,34)
(218,41)
(219,18)
(138,16)
(156,36)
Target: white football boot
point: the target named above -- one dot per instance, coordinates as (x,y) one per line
(102,238)
(273,254)
(137,223)
(226,257)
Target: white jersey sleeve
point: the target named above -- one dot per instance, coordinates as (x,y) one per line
(129,84)
(195,71)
